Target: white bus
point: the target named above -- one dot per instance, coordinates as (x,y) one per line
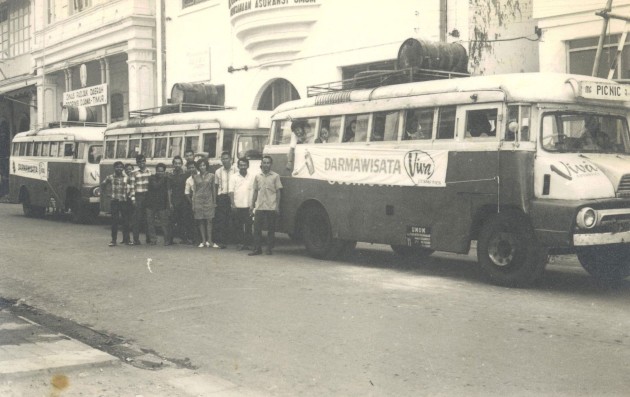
(208,133)
(56,169)
(525,164)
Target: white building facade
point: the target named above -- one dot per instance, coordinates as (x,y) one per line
(571,31)
(265,52)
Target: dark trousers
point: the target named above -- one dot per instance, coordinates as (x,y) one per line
(162,216)
(139,216)
(183,224)
(120,214)
(267,218)
(243,225)
(222,224)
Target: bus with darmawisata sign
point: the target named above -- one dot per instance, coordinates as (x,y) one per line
(526,165)
(162,133)
(56,169)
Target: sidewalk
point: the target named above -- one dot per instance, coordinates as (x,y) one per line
(35,361)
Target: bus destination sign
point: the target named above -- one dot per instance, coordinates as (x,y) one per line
(603,90)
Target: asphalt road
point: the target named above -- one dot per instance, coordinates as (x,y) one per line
(289,325)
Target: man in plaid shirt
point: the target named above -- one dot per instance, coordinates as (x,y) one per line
(139,188)
(119,195)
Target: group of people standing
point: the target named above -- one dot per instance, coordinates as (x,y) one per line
(195,205)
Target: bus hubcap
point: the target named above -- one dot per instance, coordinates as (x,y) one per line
(502,248)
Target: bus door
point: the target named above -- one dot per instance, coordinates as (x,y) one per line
(472,175)
(250,147)
(209,148)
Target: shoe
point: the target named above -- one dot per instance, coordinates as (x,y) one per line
(268,252)
(215,245)
(206,244)
(243,247)
(153,243)
(201,245)
(256,252)
(112,244)
(137,243)
(129,243)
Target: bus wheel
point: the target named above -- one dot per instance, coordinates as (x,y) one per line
(606,263)
(508,252)
(29,210)
(412,252)
(317,235)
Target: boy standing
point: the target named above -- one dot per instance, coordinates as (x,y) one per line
(158,205)
(265,205)
(241,193)
(139,187)
(119,201)
(222,219)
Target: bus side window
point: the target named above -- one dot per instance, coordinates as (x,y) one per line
(110,149)
(481,123)
(356,128)
(281,132)
(192,143)
(146,147)
(384,126)
(68,150)
(134,148)
(29,149)
(175,147)
(446,122)
(210,145)
(121,149)
(54,148)
(46,149)
(418,124)
(228,141)
(160,148)
(329,129)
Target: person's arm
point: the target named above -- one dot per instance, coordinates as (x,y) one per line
(169,193)
(252,207)
(106,181)
(278,192)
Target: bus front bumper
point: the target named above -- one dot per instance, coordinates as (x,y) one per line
(601,238)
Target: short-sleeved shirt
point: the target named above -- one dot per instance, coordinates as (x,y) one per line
(267,186)
(242,187)
(178,187)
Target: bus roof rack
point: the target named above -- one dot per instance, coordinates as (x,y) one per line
(65,124)
(379,78)
(175,108)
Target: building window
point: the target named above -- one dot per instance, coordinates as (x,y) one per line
(582,57)
(15,26)
(278,92)
(188,3)
(79,5)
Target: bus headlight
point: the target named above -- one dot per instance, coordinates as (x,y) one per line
(586,218)
(96,192)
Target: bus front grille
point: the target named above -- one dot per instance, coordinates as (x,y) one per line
(624,186)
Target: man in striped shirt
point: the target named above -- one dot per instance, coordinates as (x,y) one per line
(139,187)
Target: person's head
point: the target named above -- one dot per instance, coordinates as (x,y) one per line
(324,134)
(178,163)
(189,155)
(128,168)
(202,165)
(160,169)
(298,128)
(353,126)
(119,167)
(226,159)
(243,165)
(266,164)
(191,167)
(141,161)
(591,124)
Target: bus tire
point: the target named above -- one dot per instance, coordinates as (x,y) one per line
(317,234)
(508,252)
(606,263)
(29,210)
(412,252)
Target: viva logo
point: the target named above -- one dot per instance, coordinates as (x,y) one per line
(569,171)
(419,166)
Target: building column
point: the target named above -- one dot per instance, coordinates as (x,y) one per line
(68,78)
(142,84)
(47,100)
(107,108)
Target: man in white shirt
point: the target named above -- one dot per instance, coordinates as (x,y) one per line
(222,224)
(241,193)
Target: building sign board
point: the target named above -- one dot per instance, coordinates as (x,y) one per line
(88,96)
(242,6)
(33,169)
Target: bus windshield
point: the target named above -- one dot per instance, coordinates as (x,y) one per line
(572,132)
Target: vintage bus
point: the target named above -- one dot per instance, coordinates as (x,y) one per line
(160,135)
(56,169)
(508,161)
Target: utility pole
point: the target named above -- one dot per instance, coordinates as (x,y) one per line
(600,45)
